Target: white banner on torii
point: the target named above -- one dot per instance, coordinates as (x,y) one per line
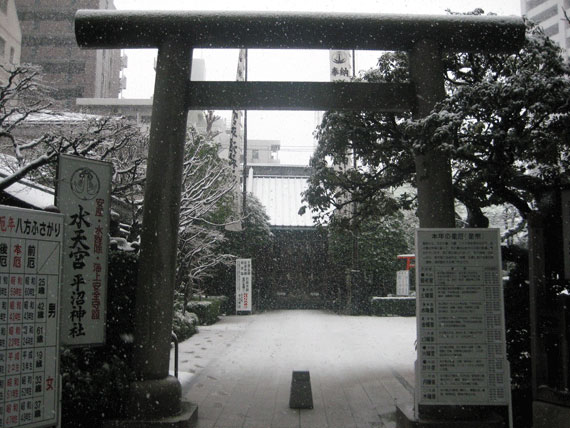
(340,63)
(235,150)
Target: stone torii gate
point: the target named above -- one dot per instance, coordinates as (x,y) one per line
(155,398)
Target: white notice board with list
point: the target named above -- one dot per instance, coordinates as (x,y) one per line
(460,318)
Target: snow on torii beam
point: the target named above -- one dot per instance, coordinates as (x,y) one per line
(140,29)
(278,30)
(156,395)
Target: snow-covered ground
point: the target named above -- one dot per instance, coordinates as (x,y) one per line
(241,369)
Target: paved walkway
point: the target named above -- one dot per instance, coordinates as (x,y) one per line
(241,369)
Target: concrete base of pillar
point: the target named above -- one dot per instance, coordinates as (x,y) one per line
(405,418)
(156,403)
(154,398)
(548,415)
(186,419)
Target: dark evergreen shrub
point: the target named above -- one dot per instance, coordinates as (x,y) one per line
(207,311)
(517,323)
(94,384)
(184,325)
(95,380)
(393,306)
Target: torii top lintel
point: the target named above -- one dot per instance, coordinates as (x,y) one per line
(99,29)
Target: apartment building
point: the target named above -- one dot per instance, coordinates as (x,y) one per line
(10,33)
(550,14)
(48,39)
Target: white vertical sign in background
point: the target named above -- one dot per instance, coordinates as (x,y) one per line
(30,267)
(84,196)
(460,318)
(403,282)
(243,285)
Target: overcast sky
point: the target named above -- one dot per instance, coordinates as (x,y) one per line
(294,129)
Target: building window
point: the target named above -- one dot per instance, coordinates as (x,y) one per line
(543,16)
(275,151)
(4,6)
(551,31)
(255,154)
(531,4)
(2,49)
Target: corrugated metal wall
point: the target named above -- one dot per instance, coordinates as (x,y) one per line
(281,197)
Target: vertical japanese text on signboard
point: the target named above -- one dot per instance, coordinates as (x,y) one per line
(84,197)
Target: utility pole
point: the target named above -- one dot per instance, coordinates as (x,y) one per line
(244,206)
(355,279)
(354,205)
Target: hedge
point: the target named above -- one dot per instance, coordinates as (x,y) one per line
(207,311)
(184,325)
(393,306)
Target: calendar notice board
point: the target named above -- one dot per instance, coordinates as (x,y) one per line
(30,263)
